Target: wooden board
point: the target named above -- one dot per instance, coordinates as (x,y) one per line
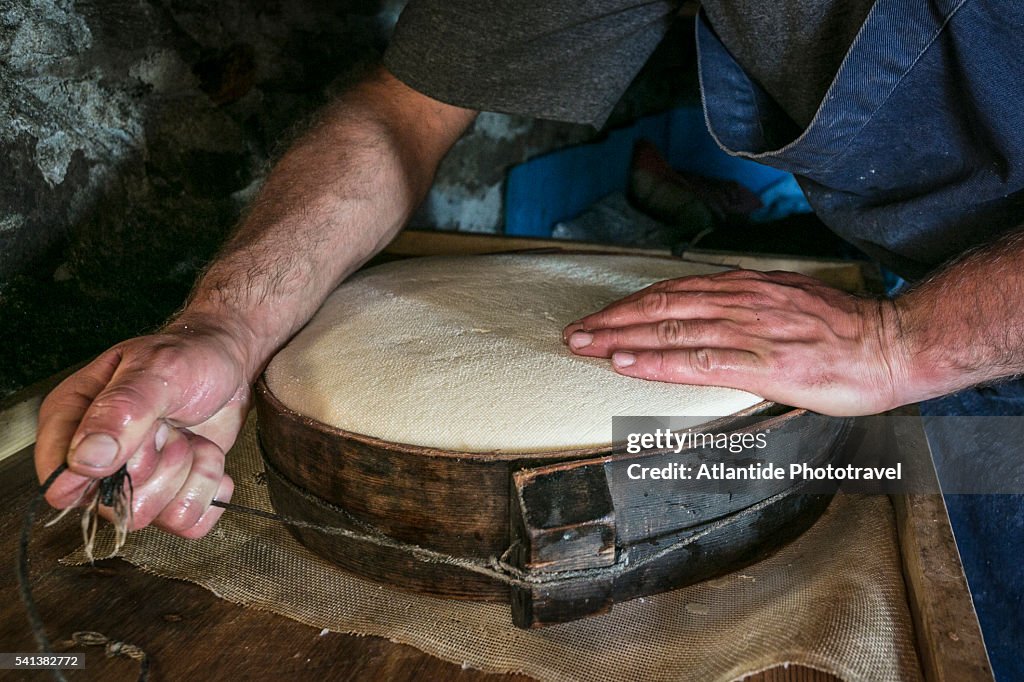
(845,275)
(589,514)
(950,643)
(19,412)
(190,633)
(458,503)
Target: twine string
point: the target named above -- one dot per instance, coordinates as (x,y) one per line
(117,494)
(498,567)
(85,638)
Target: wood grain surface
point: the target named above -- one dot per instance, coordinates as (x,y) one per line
(187,631)
(191,634)
(459,503)
(845,275)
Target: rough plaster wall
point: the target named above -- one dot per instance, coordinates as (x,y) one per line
(134,132)
(153,114)
(159,117)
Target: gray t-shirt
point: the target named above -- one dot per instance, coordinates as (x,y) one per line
(571,61)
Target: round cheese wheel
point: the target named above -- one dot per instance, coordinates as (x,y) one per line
(465,354)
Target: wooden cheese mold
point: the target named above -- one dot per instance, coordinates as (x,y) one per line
(572,533)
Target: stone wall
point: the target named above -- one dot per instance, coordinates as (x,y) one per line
(135,131)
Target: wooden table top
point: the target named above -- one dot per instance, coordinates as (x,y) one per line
(187,631)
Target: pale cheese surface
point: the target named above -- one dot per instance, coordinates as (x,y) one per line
(466,354)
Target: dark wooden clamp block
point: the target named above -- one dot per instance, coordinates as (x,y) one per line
(584,534)
(561,521)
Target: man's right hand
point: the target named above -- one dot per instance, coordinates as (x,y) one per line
(169,406)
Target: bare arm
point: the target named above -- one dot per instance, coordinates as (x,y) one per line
(333,201)
(170,404)
(965,325)
(794,340)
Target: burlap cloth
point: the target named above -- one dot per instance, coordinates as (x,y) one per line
(832,600)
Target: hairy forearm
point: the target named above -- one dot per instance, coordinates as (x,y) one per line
(335,199)
(965,325)
(169,405)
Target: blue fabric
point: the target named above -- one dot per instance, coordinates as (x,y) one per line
(989,529)
(917,151)
(915,155)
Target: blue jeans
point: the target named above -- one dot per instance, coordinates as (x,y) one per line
(989,529)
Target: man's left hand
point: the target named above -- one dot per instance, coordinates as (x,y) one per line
(784,336)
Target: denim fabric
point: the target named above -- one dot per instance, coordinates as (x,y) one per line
(917,150)
(915,154)
(989,529)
